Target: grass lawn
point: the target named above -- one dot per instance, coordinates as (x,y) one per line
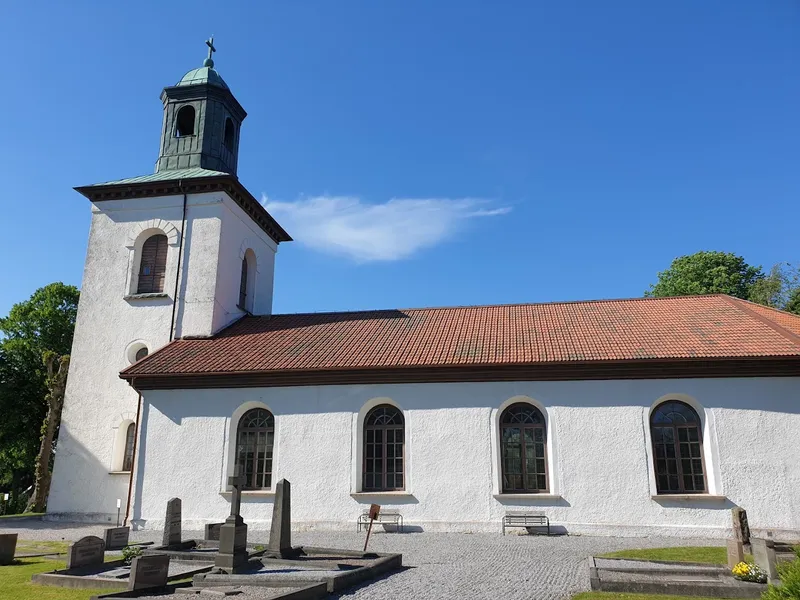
(34,547)
(617,596)
(22,515)
(713,555)
(15,582)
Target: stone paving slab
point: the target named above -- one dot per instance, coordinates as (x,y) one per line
(438,565)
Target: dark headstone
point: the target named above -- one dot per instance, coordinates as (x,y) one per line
(8,545)
(280,532)
(147,571)
(735,553)
(741,528)
(212,531)
(764,557)
(172,523)
(87,551)
(117,537)
(232,552)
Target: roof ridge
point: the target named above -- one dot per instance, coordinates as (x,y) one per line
(742,305)
(550,303)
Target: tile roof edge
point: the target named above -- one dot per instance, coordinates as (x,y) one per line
(509,305)
(600,363)
(742,305)
(189,338)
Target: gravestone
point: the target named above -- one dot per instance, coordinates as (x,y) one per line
(735,553)
(149,571)
(232,552)
(117,537)
(8,545)
(86,552)
(280,532)
(741,528)
(212,531)
(764,557)
(172,523)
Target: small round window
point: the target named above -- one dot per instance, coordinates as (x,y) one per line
(136,351)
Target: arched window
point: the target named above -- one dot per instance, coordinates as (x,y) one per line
(254,439)
(383,449)
(677,449)
(184,123)
(230,133)
(247,281)
(243,286)
(153,266)
(523,449)
(130,438)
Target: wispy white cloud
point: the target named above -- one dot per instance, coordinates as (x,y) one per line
(394,230)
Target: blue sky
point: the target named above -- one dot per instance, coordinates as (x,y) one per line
(426,153)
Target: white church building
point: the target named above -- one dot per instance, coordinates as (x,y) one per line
(617,417)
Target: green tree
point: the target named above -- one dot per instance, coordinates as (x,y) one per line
(43,324)
(793,305)
(707,273)
(780,289)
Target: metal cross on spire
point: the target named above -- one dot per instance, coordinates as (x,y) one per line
(209,62)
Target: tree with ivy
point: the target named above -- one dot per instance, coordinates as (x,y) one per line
(41,326)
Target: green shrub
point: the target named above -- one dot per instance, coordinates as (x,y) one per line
(789,572)
(130,552)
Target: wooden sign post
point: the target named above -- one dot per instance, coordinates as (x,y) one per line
(374,511)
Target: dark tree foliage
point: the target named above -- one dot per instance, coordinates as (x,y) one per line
(44,323)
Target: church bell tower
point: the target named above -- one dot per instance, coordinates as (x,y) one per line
(180,252)
(202,120)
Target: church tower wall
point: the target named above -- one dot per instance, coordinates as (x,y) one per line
(114,321)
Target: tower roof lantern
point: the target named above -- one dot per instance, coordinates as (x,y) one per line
(203,75)
(206,73)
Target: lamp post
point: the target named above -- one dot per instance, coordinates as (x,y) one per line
(119,505)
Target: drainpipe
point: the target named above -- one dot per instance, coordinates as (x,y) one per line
(178,270)
(133,463)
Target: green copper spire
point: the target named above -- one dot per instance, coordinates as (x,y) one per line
(209,62)
(201,122)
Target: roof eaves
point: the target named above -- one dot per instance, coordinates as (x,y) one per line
(175,185)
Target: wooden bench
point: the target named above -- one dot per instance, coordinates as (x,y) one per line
(391,517)
(525,519)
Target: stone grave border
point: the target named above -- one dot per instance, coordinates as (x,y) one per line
(311,592)
(183,551)
(725,585)
(381,564)
(80,577)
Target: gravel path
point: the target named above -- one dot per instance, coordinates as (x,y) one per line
(438,565)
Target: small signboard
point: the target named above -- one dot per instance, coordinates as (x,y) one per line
(374,511)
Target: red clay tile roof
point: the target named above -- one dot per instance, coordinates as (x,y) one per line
(702,327)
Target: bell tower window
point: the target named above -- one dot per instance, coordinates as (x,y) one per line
(229,134)
(184,124)
(153,266)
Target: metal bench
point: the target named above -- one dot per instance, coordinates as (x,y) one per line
(525,519)
(391,517)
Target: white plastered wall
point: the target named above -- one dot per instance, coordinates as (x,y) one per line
(113,323)
(599,464)
(238,234)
